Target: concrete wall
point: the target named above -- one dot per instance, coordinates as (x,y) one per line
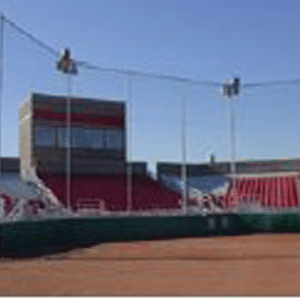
(25,135)
(42,236)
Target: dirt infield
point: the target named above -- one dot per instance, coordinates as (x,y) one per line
(244,265)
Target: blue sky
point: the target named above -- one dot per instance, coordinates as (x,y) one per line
(205,40)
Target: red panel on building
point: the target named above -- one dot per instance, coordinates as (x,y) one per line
(80,118)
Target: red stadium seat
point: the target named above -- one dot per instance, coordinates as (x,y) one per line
(268,191)
(9,203)
(112,190)
(149,194)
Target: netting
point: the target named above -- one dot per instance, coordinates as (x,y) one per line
(173,148)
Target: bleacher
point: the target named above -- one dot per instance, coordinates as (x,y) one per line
(9,202)
(272,191)
(269,191)
(210,184)
(13,188)
(112,191)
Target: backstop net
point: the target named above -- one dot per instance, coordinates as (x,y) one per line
(110,141)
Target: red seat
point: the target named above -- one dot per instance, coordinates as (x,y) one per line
(146,193)
(268,191)
(9,203)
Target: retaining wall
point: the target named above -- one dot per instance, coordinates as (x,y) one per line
(45,236)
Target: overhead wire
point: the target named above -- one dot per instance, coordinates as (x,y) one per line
(272,83)
(146,74)
(133,73)
(87,65)
(30,36)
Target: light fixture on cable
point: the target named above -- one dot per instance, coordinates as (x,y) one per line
(65,64)
(231,87)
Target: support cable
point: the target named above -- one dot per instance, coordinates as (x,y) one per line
(86,65)
(31,37)
(149,75)
(89,66)
(271,83)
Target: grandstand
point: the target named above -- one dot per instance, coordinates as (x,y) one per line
(22,198)
(98,177)
(111,191)
(99,181)
(268,191)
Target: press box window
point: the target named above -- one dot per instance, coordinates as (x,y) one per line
(44,136)
(62,137)
(79,138)
(96,138)
(114,139)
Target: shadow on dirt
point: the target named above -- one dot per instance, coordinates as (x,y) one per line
(52,252)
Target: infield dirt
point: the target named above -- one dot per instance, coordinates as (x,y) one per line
(240,265)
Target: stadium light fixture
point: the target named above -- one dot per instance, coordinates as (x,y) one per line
(236,86)
(231,87)
(65,64)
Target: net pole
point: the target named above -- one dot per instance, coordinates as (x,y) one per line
(68,161)
(129,147)
(232,136)
(232,145)
(279,193)
(1,82)
(1,95)
(184,148)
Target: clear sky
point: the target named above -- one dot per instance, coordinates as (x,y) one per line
(256,40)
